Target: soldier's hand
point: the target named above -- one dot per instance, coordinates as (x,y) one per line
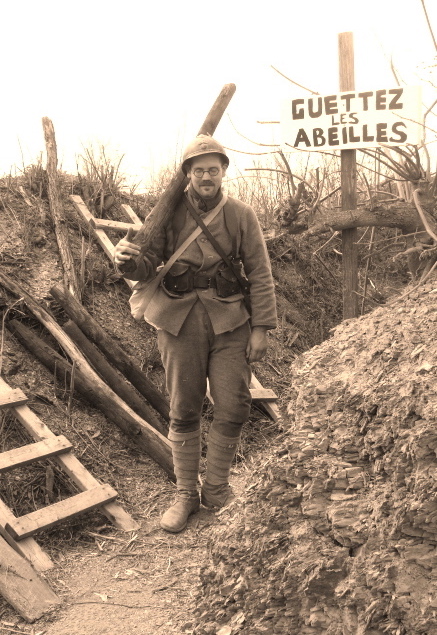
(257,345)
(125,249)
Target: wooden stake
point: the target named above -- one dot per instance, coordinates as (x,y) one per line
(70,278)
(348,186)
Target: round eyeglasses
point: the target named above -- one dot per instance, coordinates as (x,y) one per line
(199,172)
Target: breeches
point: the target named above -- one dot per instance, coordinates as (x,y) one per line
(194,356)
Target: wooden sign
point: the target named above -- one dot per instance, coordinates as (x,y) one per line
(353,119)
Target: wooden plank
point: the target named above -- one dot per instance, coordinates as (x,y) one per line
(12,396)
(131,214)
(21,586)
(265,397)
(78,474)
(28,547)
(270,407)
(11,542)
(263,394)
(32,452)
(100,234)
(103,223)
(44,518)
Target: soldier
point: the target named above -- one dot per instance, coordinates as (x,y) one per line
(206,328)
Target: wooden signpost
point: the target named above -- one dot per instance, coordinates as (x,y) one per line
(348,121)
(348,187)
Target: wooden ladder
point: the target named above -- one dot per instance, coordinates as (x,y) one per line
(264,397)
(19,532)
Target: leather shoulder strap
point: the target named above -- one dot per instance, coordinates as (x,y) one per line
(232,227)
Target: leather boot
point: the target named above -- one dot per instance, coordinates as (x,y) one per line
(175,519)
(216,491)
(186,459)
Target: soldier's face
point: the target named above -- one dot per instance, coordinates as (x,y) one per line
(206,174)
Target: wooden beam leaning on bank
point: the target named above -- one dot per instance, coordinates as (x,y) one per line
(164,208)
(112,351)
(115,409)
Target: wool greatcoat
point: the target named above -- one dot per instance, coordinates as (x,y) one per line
(195,324)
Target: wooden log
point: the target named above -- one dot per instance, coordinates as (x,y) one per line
(21,586)
(71,465)
(143,434)
(112,378)
(164,208)
(61,230)
(94,390)
(114,353)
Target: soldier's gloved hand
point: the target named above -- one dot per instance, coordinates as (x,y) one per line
(125,249)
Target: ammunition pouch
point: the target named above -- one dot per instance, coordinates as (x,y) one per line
(227,282)
(178,280)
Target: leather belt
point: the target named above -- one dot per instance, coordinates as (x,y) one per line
(202,281)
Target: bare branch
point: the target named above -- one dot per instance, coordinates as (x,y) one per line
(270,145)
(429,24)
(290,174)
(293,82)
(258,154)
(422,214)
(394,71)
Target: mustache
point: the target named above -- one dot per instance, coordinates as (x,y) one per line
(207,183)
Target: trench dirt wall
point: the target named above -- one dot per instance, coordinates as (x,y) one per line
(337,529)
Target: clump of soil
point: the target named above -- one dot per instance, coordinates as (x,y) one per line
(337,532)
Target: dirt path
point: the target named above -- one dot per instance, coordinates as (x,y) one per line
(117,583)
(141,584)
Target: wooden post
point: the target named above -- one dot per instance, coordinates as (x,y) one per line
(61,230)
(348,186)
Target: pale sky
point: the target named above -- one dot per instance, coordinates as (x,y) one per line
(140,77)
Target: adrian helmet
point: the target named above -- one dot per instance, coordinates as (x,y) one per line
(202,144)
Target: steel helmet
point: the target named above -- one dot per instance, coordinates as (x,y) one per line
(202,144)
